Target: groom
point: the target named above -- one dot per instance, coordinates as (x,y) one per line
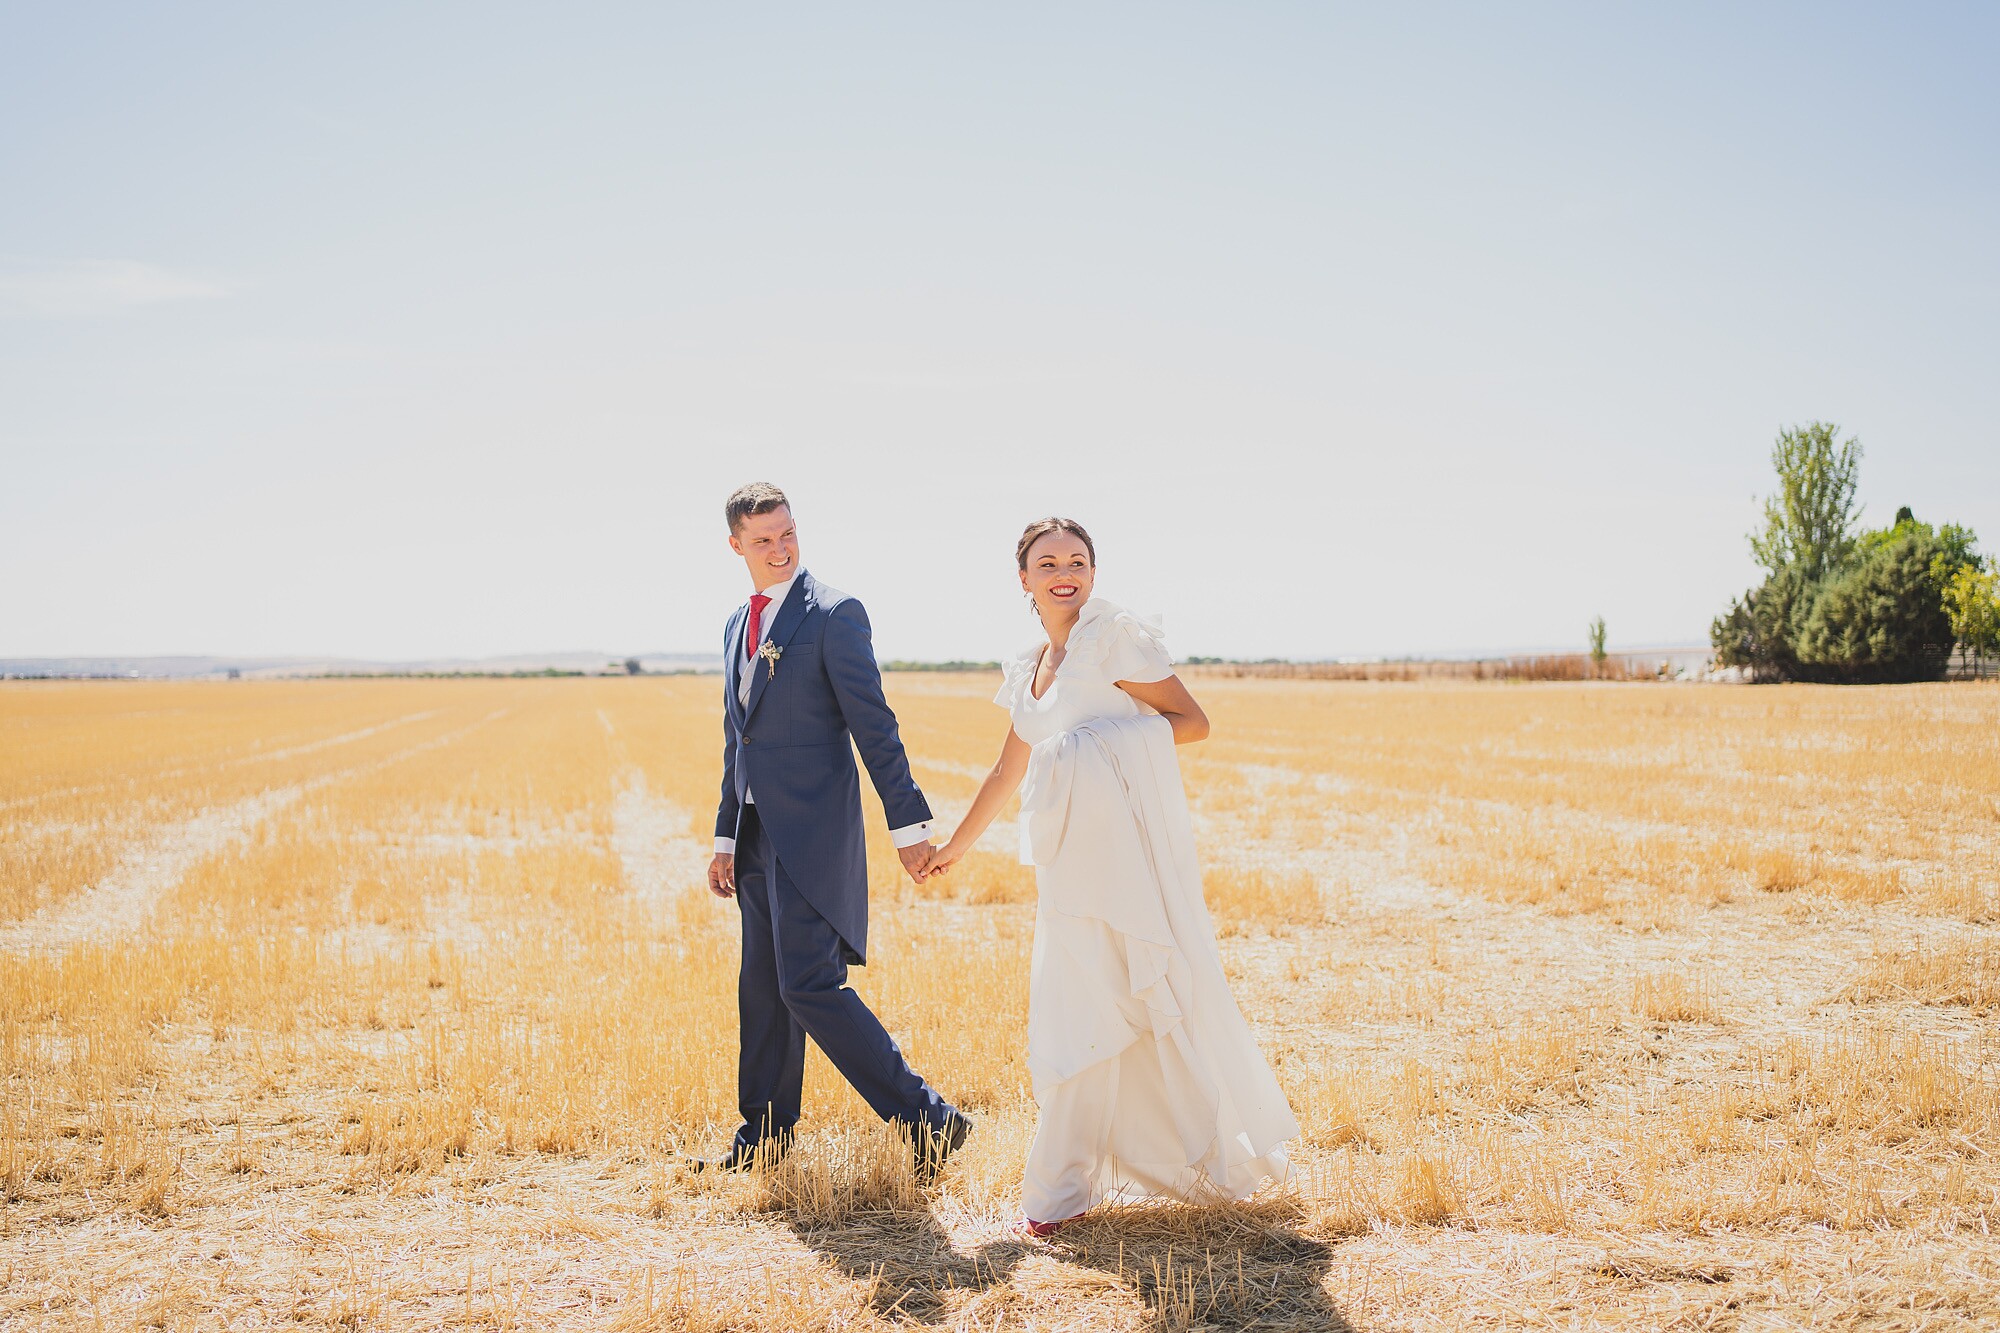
(800,680)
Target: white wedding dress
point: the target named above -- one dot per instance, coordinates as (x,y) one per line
(1147,1076)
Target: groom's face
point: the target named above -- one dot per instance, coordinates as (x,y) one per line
(769,545)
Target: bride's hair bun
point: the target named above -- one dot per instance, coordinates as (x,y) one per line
(1041,528)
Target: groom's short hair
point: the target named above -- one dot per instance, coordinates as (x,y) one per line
(759,497)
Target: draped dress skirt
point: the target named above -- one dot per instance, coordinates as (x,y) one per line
(1147,1077)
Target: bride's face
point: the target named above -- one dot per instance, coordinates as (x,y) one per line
(1059,574)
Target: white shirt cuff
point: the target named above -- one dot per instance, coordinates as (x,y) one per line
(723,844)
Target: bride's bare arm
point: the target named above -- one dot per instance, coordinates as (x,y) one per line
(1000,783)
(1171,700)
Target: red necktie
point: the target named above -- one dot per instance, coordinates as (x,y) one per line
(758,601)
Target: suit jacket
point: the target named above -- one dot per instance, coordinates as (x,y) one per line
(793,746)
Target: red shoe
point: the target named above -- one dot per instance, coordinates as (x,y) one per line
(1027,1228)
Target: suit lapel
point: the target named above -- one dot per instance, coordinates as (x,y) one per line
(732,665)
(790,616)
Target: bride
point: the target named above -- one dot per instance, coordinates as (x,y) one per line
(1148,1080)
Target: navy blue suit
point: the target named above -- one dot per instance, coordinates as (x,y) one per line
(801,867)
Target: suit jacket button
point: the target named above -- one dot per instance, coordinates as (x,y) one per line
(746,740)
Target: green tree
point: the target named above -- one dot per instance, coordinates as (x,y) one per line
(1597,642)
(1809,523)
(1958,547)
(1842,605)
(1882,617)
(1759,629)
(1972,604)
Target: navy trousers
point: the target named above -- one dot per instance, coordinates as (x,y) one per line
(794,985)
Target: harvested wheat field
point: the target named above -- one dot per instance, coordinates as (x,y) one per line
(353,1004)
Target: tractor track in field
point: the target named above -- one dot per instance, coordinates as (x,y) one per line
(232,761)
(660,857)
(120,902)
(1770,970)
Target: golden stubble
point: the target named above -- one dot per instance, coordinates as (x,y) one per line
(1636,1004)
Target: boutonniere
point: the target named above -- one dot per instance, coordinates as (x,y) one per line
(770,652)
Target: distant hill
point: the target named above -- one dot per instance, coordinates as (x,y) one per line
(266,668)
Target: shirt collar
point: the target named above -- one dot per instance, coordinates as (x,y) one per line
(778,592)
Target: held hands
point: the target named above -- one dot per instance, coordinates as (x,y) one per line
(945,857)
(916,859)
(923,859)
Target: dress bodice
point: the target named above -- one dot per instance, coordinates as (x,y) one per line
(1107,644)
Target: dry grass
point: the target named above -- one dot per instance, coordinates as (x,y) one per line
(1600,1006)
(1959,971)
(1676,997)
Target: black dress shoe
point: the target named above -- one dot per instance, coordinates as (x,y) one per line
(932,1144)
(767,1151)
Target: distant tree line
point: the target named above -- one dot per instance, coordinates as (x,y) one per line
(537,674)
(1848,605)
(901,664)
(1232,661)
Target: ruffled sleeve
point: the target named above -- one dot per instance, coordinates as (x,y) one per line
(1014,674)
(1111,644)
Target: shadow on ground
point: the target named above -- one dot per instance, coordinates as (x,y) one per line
(1233,1267)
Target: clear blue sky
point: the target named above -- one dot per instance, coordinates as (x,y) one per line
(402,330)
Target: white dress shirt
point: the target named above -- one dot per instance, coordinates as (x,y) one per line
(907,836)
